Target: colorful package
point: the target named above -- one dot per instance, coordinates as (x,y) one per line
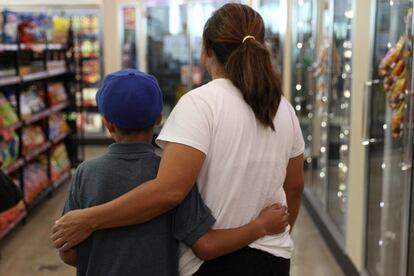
(56,93)
(32,137)
(10,150)
(59,161)
(8,116)
(57,125)
(60,29)
(11,21)
(31,102)
(35,180)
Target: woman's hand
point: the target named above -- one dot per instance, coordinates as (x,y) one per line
(71,229)
(274,219)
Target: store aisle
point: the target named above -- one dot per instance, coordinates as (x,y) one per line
(28,251)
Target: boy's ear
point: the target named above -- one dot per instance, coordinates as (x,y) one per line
(108,124)
(159,119)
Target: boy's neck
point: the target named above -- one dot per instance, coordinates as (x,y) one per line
(133,138)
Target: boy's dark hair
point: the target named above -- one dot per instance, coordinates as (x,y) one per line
(130,131)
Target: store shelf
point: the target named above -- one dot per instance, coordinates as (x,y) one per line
(90,58)
(35,76)
(56,46)
(41,196)
(65,177)
(4,47)
(11,128)
(13,225)
(9,80)
(45,113)
(61,137)
(15,166)
(36,152)
(56,72)
(37,47)
(91,109)
(59,107)
(43,74)
(37,117)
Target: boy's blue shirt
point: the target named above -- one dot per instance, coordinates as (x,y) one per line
(146,249)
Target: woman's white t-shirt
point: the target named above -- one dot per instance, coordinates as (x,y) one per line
(245,164)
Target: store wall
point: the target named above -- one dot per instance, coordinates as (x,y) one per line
(111,35)
(287,50)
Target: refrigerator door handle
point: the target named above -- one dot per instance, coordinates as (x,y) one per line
(366,119)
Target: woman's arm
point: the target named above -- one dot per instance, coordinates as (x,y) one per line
(177,174)
(293,187)
(215,243)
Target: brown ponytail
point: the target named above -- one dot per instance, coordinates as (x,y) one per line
(247,64)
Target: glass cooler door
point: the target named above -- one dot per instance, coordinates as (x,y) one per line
(320,117)
(168,49)
(303,41)
(388,138)
(274,17)
(339,109)
(199,12)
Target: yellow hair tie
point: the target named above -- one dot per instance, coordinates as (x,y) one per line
(247,37)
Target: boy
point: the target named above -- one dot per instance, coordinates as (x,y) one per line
(131,103)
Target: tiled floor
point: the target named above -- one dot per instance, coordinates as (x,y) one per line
(29,252)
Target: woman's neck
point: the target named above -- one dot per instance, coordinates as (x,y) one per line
(217,73)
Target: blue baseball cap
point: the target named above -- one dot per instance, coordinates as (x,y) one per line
(130,99)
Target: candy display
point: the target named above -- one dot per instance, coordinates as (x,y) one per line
(31,102)
(8,217)
(10,150)
(32,137)
(8,115)
(394,71)
(57,125)
(37,89)
(34,27)
(60,163)
(35,179)
(56,93)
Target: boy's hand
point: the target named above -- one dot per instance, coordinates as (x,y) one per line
(274,219)
(69,256)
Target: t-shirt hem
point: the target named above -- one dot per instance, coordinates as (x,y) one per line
(296,154)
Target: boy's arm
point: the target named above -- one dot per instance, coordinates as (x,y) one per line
(216,243)
(69,257)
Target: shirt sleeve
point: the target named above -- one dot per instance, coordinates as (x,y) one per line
(298,146)
(192,218)
(190,123)
(72,200)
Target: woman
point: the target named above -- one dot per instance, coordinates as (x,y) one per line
(238,134)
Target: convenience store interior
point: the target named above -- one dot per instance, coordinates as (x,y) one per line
(346,68)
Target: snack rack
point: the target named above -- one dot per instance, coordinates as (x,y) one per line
(38,142)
